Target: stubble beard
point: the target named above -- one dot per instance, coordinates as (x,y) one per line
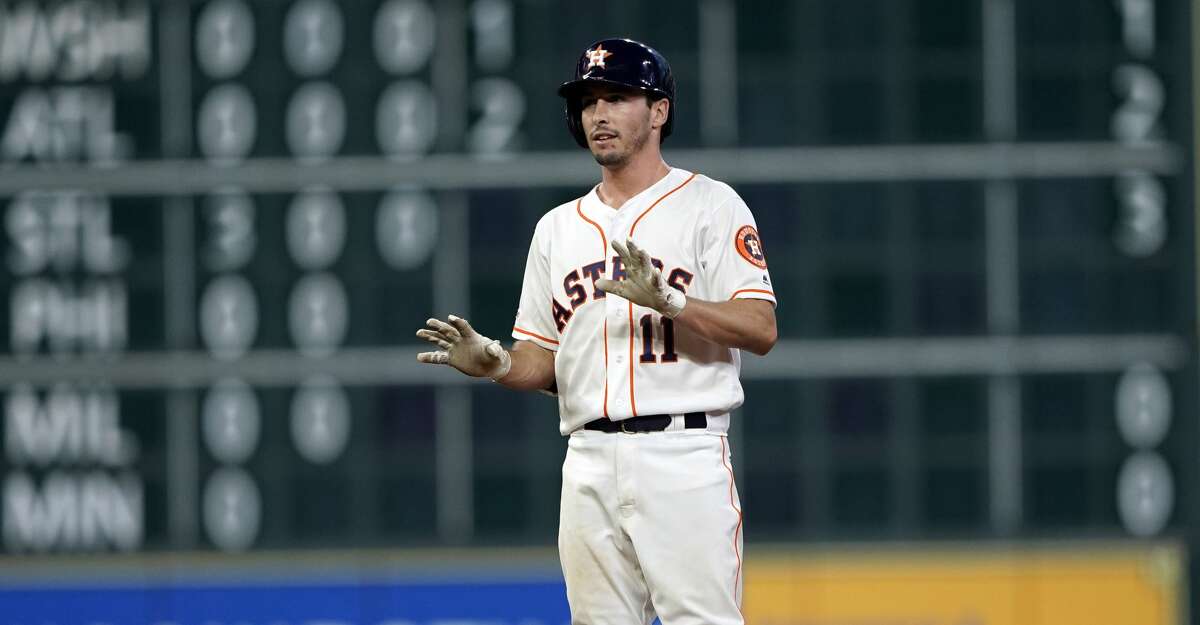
(618,159)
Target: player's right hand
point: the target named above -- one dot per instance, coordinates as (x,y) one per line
(464,349)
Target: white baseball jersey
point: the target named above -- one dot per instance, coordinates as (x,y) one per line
(614,358)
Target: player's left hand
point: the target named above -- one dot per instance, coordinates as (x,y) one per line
(644,284)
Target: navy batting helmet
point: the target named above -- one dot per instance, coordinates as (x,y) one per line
(624,63)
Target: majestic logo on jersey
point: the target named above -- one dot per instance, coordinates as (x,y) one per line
(596,57)
(750,246)
(578,294)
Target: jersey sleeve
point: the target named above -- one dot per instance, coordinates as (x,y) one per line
(535,321)
(731,251)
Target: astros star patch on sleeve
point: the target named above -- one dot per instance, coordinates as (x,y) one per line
(749,246)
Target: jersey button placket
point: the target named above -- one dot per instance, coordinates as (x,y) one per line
(618,317)
(618,344)
(612,308)
(618,324)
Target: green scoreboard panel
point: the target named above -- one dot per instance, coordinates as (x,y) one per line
(223,220)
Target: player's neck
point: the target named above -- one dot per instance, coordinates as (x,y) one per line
(617,185)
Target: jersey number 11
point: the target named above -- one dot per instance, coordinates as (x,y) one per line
(668,338)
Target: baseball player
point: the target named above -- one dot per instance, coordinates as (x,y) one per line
(636,300)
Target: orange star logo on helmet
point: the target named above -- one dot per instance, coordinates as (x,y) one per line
(596,57)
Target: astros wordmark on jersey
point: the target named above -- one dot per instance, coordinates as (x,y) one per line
(618,359)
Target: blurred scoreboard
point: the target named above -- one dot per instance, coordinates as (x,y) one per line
(223,220)
(97,461)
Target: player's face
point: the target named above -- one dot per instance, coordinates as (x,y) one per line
(617,123)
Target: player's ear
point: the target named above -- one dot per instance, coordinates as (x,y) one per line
(660,110)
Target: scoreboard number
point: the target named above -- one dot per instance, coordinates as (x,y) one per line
(1141,228)
(312,36)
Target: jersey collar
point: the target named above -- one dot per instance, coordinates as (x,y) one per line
(595,207)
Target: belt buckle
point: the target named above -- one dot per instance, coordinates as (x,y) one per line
(623,427)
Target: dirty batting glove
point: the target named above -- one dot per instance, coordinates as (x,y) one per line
(461,347)
(644,284)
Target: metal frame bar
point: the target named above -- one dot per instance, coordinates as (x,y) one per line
(1001,203)
(791,359)
(970,161)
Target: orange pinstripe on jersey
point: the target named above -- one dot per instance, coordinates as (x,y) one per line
(632,398)
(603,239)
(605,367)
(536,336)
(664,196)
(737,575)
(735,293)
(632,401)
(603,254)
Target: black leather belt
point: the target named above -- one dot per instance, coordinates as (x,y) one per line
(647,423)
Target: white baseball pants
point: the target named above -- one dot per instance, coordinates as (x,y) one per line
(650,524)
